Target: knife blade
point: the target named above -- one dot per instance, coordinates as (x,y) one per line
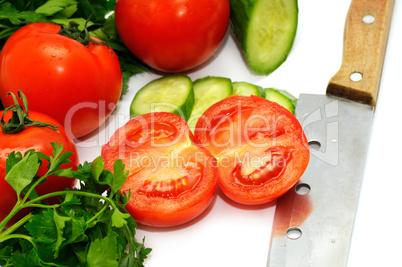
(313,221)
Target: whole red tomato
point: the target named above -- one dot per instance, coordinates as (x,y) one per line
(76,84)
(172,36)
(37,138)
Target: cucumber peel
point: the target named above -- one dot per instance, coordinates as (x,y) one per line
(172,93)
(282,97)
(208,91)
(265,30)
(247,89)
(180,95)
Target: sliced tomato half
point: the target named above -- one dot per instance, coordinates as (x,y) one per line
(171,180)
(260,147)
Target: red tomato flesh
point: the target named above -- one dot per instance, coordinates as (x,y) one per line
(172,36)
(75,84)
(171,180)
(260,147)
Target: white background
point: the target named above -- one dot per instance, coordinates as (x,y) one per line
(228,234)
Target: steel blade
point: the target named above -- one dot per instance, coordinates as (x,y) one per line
(313,222)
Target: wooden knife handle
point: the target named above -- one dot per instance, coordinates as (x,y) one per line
(366,35)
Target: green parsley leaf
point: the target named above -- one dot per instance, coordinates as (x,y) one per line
(70,199)
(12,159)
(89,227)
(60,223)
(51,7)
(9,13)
(23,172)
(42,227)
(97,167)
(120,175)
(59,157)
(119,219)
(103,252)
(78,228)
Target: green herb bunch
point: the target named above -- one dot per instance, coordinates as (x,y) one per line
(89,226)
(96,14)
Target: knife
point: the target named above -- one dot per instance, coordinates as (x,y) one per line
(313,221)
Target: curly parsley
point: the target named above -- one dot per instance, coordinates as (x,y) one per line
(89,227)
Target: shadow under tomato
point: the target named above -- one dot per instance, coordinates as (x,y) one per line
(243,206)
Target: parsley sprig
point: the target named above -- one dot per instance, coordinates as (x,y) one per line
(88,227)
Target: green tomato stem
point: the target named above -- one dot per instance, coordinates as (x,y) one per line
(83,37)
(20,118)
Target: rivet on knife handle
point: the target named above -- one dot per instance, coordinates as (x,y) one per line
(367,26)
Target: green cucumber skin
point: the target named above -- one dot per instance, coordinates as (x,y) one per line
(189,105)
(288,95)
(184,110)
(224,83)
(251,89)
(282,97)
(241,12)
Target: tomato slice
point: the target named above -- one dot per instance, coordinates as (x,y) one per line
(171,180)
(260,147)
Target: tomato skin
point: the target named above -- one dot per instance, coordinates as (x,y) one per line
(37,138)
(156,148)
(75,84)
(172,36)
(164,218)
(260,147)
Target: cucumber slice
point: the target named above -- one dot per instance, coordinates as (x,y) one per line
(266,30)
(247,89)
(282,97)
(172,93)
(208,91)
